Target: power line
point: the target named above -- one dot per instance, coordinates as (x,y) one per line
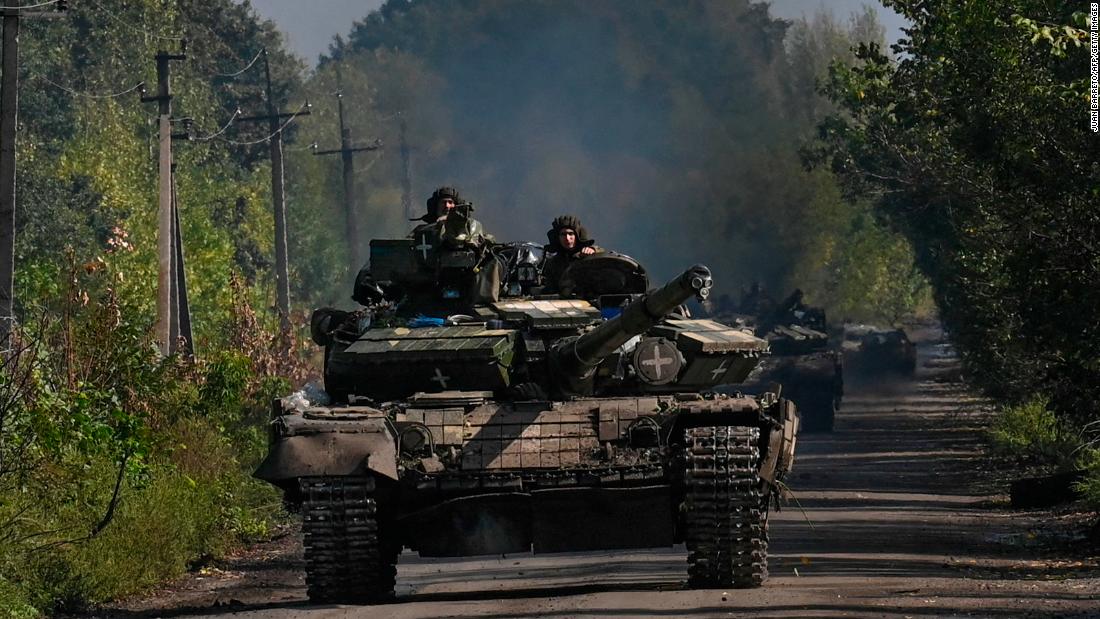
(273,134)
(89,95)
(131,27)
(246,67)
(207,138)
(29,6)
(217,38)
(143,31)
(9,123)
(278,195)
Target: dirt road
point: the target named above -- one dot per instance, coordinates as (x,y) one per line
(889,526)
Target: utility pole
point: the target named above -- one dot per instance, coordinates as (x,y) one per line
(9,109)
(165,217)
(347,152)
(278,196)
(406,171)
(183,339)
(9,112)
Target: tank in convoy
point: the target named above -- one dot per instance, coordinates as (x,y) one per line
(472,414)
(801,362)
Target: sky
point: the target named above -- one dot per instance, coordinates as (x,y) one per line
(311,25)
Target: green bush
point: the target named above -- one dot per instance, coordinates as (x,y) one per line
(1089,487)
(156,533)
(1032,431)
(120,468)
(14,603)
(192,503)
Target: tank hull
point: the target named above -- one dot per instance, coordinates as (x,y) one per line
(577,475)
(813,381)
(495,419)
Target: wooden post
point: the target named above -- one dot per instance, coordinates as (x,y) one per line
(278,198)
(9,104)
(165,275)
(9,116)
(347,152)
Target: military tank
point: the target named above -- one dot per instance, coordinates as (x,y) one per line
(877,352)
(472,415)
(810,373)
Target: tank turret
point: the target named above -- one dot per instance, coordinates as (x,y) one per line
(576,358)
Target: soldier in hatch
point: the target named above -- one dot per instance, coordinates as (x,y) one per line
(440,204)
(447,223)
(569,242)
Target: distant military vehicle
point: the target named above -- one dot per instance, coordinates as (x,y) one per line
(475,416)
(875,351)
(811,375)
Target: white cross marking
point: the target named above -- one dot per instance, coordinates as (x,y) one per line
(717,372)
(657,361)
(440,378)
(424,246)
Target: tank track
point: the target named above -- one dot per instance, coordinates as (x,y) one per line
(725,507)
(346,559)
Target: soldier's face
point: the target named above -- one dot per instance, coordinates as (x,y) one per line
(446,205)
(567,238)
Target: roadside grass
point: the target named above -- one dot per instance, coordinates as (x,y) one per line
(123,485)
(181,511)
(120,467)
(1031,433)
(1089,487)
(14,603)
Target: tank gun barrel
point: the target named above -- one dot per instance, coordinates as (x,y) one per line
(577,356)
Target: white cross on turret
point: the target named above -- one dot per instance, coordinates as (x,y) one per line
(717,372)
(657,361)
(440,378)
(424,246)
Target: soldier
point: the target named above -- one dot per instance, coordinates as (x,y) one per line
(448,223)
(440,204)
(568,241)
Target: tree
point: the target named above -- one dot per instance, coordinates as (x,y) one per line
(629,117)
(975,146)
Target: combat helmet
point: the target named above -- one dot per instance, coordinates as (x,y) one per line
(571,222)
(436,198)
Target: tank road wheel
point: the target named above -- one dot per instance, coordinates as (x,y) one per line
(725,508)
(346,561)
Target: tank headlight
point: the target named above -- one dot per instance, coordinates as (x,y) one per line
(415,439)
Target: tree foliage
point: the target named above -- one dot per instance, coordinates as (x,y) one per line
(670,129)
(118,467)
(976,146)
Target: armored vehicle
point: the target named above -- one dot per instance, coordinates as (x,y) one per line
(811,375)
(877,351)
(472,415)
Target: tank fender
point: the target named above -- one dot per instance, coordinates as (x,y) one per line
(365,446)
(781,442)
